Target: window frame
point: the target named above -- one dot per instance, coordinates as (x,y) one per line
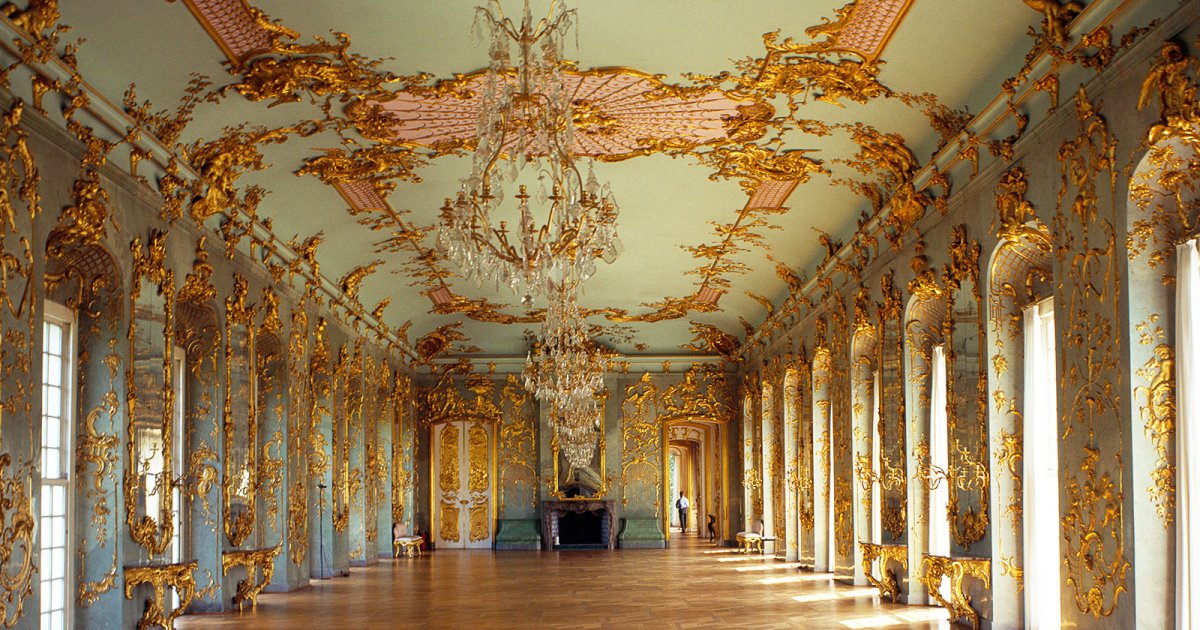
(65,318)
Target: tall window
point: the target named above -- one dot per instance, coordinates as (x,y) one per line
(1041,527)
(58,386)
(831,545)
(179,378)
(876,498)
(939,455)
(1187,436)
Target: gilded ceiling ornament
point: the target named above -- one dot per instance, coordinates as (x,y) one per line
(39,18)
(197,286)
(380,165)
(1056,18)
(306,253)
(708,339)
(353,279)
(441,341)
(288,70)
(612,124)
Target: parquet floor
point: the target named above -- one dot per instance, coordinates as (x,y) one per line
(691,585)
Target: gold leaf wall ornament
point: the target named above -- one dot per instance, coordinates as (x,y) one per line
(517,450)
(1093,519)
(197,287)
(1172,79)
(301,410)
(83,222)
(641,448)
(18,551)
(271,324)
(1159,417)
(704,392)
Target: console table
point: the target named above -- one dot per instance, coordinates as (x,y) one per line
(886,582)
(249,588)
(159,576)
(937,567)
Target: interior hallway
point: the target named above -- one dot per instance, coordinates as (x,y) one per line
(691,585)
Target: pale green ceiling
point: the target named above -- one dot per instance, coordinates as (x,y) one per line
(959,50)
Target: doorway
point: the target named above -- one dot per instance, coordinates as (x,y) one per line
(463,462)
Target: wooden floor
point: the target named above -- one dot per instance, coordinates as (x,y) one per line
(691,585)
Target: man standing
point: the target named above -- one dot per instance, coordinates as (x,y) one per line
(682,505)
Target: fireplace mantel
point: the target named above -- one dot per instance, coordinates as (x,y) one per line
(553,510)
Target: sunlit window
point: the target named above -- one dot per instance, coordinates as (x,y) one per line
(1041,527)
(1187,436)
(939,456)
(876,514)
(58,378)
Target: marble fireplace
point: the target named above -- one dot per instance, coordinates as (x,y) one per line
(592,523)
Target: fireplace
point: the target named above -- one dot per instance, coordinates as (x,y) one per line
(579,524)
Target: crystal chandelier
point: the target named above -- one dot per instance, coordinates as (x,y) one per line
(549,246)
(525,133)
(565,370)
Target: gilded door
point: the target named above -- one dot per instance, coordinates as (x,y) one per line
(462,464)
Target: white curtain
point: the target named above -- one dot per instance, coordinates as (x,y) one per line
(939,455)
(1187,436)
(1040,470)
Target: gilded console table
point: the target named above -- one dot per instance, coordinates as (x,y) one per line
(248,589)
(935,568)
(159,576)
(886,582)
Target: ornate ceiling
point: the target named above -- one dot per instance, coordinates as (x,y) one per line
(744,141)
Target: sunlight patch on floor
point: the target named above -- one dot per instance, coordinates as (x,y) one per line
(771,567)
(852,593)
(747,559)
(899,618)
(791,579)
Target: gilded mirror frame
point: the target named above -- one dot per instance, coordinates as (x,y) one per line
(153,533)
(890,351)
(969,471)
(239,524)
(601,448)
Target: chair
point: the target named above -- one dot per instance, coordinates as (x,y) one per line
(401,539)
(753,540)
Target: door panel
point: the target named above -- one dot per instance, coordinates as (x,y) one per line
(463,465)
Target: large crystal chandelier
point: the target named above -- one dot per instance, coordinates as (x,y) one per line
(565,370)
(525,135)
(549,246)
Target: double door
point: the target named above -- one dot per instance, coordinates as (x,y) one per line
(463,462)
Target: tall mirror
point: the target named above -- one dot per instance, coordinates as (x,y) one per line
(149,469)
(892,435)
(582,482)
(241,422)
(966,393)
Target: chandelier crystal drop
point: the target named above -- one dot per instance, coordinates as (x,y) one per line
(563,220)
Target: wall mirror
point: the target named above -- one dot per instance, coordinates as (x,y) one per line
(241,421)
(966,392)
(149,470)
(582,482)
(892,434)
